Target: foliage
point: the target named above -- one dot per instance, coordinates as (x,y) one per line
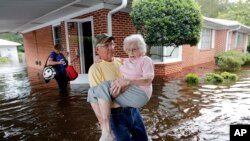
(15,37)
(239,11)
(248,46)
(224,77)
(247,58)
(167,22)
(211,8)
(213,78)
(4,60)
(229,76)
(230,61)
(192,79)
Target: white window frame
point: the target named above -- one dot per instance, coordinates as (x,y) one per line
(212,39)
(166,52)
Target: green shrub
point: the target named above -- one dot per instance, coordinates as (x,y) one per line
(229,76)
(213,78)
(246,58)
(4,60)
(192,79)
(230,61)
(224,77)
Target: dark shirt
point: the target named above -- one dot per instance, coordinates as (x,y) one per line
(57,58)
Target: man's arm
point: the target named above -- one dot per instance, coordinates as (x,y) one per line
(94,76)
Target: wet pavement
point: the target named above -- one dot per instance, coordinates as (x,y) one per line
(31,110)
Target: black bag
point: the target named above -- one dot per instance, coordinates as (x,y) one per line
(49,72)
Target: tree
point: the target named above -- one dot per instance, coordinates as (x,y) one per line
(211,8)
(167,22)
(239,11)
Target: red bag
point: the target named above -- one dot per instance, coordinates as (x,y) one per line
(71,72)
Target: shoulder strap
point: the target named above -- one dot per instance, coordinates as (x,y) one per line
(45,65)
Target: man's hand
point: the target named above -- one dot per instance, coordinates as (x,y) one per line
(97,59)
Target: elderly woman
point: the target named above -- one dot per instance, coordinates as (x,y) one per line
(138,71)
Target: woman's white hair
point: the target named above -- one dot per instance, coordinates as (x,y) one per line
(137,40)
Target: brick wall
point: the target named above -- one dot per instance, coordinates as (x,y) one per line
(122,26)
(191,56)
(165,69)
(38,44)
(220,41)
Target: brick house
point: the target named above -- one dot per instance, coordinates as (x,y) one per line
(75,30)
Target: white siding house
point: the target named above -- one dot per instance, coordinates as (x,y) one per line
(9,49)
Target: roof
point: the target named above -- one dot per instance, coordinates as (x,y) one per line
(225,24)
(27,15)
(8,43)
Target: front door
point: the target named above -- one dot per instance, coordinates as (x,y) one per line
(86,46)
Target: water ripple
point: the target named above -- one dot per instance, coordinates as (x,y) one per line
(33,110)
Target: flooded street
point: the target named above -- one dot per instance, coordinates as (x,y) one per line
(31,110)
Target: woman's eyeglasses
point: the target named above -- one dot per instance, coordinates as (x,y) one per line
(131,49)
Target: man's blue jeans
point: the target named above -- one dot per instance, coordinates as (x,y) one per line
(127,124)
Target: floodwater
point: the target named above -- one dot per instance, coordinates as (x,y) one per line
(31,110)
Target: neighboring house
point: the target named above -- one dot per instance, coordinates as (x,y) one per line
(217,36)
(9,49)
(75,24)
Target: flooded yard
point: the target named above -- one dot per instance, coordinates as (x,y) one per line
(31,110)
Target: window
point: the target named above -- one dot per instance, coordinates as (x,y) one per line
(163,54)
(57,34)
(206,41)
(239,40)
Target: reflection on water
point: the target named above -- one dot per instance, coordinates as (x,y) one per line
(178,112)
(32,110)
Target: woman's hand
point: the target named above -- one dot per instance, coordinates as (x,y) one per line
(115,89)
(62,62)
(118,86)
(51,62)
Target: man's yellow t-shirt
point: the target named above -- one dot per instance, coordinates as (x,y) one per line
(102,71)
